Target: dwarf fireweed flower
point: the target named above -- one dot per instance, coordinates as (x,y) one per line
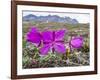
(34,36)
(76,42)
(53,40)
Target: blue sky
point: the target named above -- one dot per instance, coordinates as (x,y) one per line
(81,17)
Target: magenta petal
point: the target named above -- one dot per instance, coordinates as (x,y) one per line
(77,42)
(45,49)
(59,35)
(34,29)
(47,36)
(33,36)
(60,48)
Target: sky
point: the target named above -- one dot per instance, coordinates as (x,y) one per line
(81,17)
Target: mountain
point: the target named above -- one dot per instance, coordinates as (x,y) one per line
(50,18)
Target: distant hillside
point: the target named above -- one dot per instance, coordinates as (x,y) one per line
(50,18)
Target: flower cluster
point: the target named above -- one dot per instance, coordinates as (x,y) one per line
(52,40)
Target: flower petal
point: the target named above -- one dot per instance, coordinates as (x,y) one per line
(60,48)
(34,36)
(77,42)
(44,50)
(59,35)
(47,36)
(34,29)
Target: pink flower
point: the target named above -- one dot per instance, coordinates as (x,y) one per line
(76,42)
(53,40)
(34,36)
